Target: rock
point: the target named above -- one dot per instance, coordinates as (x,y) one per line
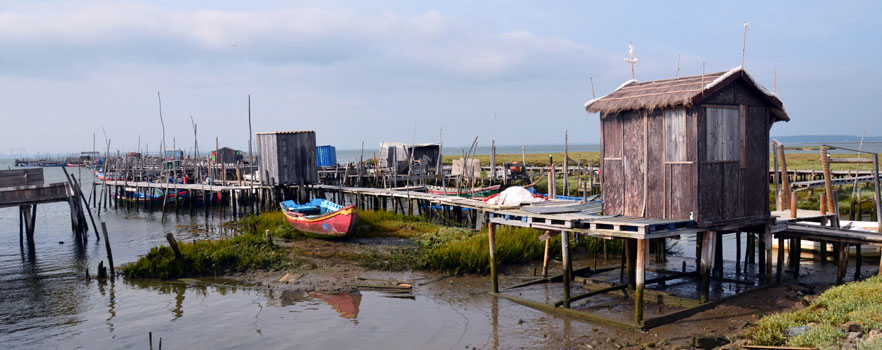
(709,341)
(649,345)
(794,331)
(853,327)
(853,337)
(874,334)
(848,346)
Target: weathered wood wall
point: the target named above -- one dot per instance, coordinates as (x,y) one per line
(725,183)
(734,189)
(287,158)
(21,177)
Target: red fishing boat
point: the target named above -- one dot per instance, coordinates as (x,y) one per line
(321,218)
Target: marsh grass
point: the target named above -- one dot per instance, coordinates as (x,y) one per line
(203,258)
(859,302)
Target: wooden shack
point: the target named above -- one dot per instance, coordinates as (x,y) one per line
(688,148)
(287,158)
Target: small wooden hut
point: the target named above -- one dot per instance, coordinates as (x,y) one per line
(287,158)
(688,148)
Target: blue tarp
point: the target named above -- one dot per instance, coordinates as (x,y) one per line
(325,155)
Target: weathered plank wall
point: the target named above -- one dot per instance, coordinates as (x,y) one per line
(612,175)
(21,177)
(288,158)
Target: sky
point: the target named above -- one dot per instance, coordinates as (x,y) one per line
(406,71)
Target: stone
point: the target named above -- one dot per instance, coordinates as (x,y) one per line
(853,337)
(875,333)
(853,327)
(709,341)
(794,331)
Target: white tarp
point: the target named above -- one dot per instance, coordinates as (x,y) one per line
(514,196)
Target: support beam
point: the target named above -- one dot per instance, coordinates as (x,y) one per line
(766,254)
(565,256)
(642,257)
(708,242)
(494,278)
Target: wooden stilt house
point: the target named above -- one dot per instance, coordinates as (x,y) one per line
(688,148)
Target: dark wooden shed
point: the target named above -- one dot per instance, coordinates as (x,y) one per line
(287,158)
(688,148)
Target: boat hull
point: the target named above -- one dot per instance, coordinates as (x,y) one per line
(336,224)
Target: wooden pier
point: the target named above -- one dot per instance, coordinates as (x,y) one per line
(24,188)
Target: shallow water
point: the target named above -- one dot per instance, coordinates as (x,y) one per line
(46,302)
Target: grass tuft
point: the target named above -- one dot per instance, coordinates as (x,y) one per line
(858,302)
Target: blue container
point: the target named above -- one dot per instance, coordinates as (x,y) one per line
(325,155)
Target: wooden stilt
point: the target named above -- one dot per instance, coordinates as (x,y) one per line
(858,261)
(796,252)
(780,263)
(642,254)
(631,254)
(706,260)
(766,255)
(565,256)
(494,278)
(545,256)
(738,252)
(842,261)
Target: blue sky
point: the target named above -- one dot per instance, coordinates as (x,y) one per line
(359,71)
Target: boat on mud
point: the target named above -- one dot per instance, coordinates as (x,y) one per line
(321,218)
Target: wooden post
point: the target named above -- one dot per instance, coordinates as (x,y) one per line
(796,254)
(828,179)
(877,198)
(793,209)
(642,253)
(780,262)
(545,257)
(269,237)
(718,255)
(107,247)
(766,256)
(174,246)
(785,177)
(706,258)
(842,263)
(858,261)
(494,278)
(631,255)
(777,177)
(738,252)
(565,256)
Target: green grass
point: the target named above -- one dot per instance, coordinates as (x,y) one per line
(859,302)
(204,258)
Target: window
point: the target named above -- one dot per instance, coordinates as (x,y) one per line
(723,136)
(675,135)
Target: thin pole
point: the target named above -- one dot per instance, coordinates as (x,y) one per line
(677,71)
(743,45)
(591,79)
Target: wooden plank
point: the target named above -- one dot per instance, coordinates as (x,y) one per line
(655,164)
(633,163)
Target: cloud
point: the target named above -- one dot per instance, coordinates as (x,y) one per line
(92,37)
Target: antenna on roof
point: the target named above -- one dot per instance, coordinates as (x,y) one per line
(775,82)
(677,72)
(743,44)
(702,79)
(631,58)
(592,87)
